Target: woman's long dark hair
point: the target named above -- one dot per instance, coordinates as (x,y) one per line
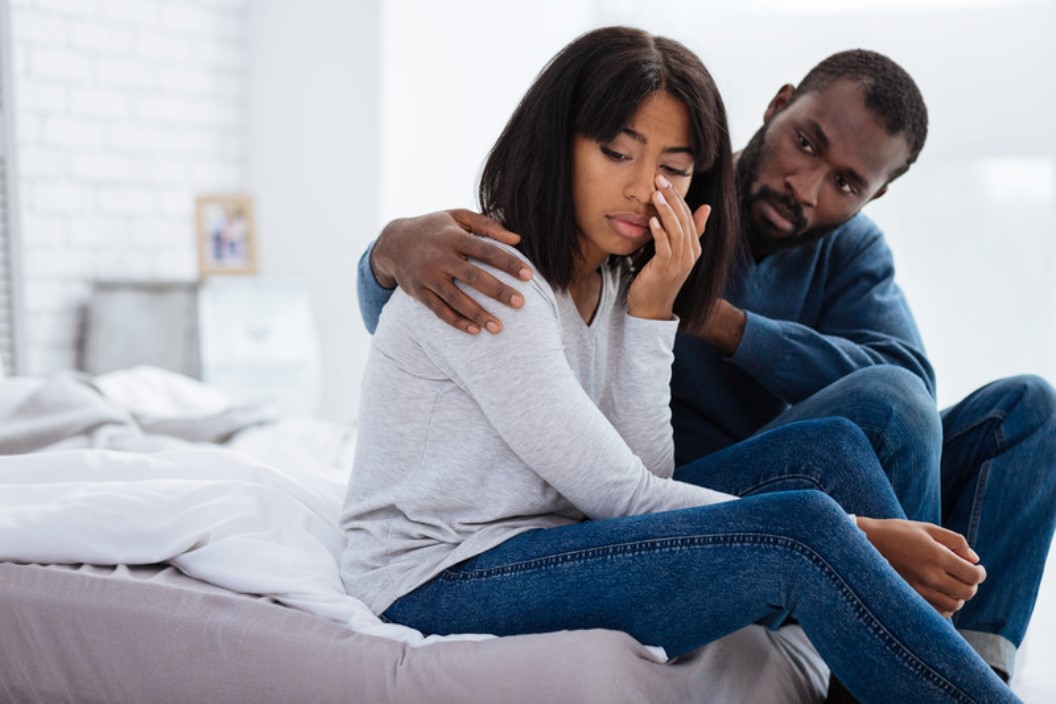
(593,88)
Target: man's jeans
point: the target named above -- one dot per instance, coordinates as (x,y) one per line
(680,579)
(985,468)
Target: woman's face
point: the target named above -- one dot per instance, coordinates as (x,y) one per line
(613,182)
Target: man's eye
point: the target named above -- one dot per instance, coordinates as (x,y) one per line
(614,155)
(804,144)
(845,186)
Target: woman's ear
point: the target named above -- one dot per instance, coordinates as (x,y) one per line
(784,94)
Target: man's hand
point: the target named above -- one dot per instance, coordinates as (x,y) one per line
(427,254)
(936,562)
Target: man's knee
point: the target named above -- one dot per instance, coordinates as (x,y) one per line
(1037,397)
(1027,402)
(892,402)
(888,385)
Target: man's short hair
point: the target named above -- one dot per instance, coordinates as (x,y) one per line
(890,92)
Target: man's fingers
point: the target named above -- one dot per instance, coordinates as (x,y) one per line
(486,284)
(477,248)
(482,225)
(453,306)
(447,314)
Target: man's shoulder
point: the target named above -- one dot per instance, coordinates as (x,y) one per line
(859,231)
(858,240)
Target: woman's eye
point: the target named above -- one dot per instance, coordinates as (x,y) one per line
(614,155)
(674,171)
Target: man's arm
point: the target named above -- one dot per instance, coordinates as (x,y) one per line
(864,320)
(426,255)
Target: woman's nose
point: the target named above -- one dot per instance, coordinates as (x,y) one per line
(640,184)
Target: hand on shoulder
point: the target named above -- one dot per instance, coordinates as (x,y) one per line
(426,255)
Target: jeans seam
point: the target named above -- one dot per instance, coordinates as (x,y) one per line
(778,480)
(999,416)
(880,433)
(1001,441)
(904,655)
(977,500)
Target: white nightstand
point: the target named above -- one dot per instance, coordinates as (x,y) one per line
(252,338)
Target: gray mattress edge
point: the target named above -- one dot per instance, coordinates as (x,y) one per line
(151,634)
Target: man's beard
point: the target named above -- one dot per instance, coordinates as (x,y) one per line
(760,242)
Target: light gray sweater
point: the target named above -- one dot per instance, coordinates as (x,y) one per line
(465,441)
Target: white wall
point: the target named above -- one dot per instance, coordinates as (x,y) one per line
(125,110)
(313,134)
(452,73)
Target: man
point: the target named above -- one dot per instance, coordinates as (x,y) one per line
(813,325)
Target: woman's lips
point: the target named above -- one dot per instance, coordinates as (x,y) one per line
(630,225)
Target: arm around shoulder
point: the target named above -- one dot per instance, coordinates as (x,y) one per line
(372,295)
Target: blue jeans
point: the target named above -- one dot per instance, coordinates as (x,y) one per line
(681,579)
(985,468)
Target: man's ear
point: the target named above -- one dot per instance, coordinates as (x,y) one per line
(784,93)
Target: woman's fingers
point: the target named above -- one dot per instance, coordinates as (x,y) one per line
(700,221)
(944,604)
(678,220)
(669,220)
(661,243)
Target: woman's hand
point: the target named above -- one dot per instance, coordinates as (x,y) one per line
(676,235)
(936,562)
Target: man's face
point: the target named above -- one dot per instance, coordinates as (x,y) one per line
(814,164)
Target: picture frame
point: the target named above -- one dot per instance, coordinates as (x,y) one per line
(227,235)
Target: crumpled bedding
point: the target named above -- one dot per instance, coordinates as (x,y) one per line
(229,520)
(217,515)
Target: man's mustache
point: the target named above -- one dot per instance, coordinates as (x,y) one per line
(786,206)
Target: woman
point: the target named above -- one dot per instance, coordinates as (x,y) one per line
(521,482)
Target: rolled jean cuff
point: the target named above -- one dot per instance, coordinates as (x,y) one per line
(997,651)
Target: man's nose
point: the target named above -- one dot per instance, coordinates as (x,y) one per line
(805,185)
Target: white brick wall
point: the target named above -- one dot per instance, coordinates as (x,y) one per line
(125,110)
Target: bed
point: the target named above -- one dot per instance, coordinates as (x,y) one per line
(157,545)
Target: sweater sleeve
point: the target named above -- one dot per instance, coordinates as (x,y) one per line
(639,403)
(865,321)
(529,393)
(372,295)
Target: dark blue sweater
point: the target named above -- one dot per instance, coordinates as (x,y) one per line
(815,314)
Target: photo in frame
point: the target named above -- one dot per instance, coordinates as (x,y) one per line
(227,238)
